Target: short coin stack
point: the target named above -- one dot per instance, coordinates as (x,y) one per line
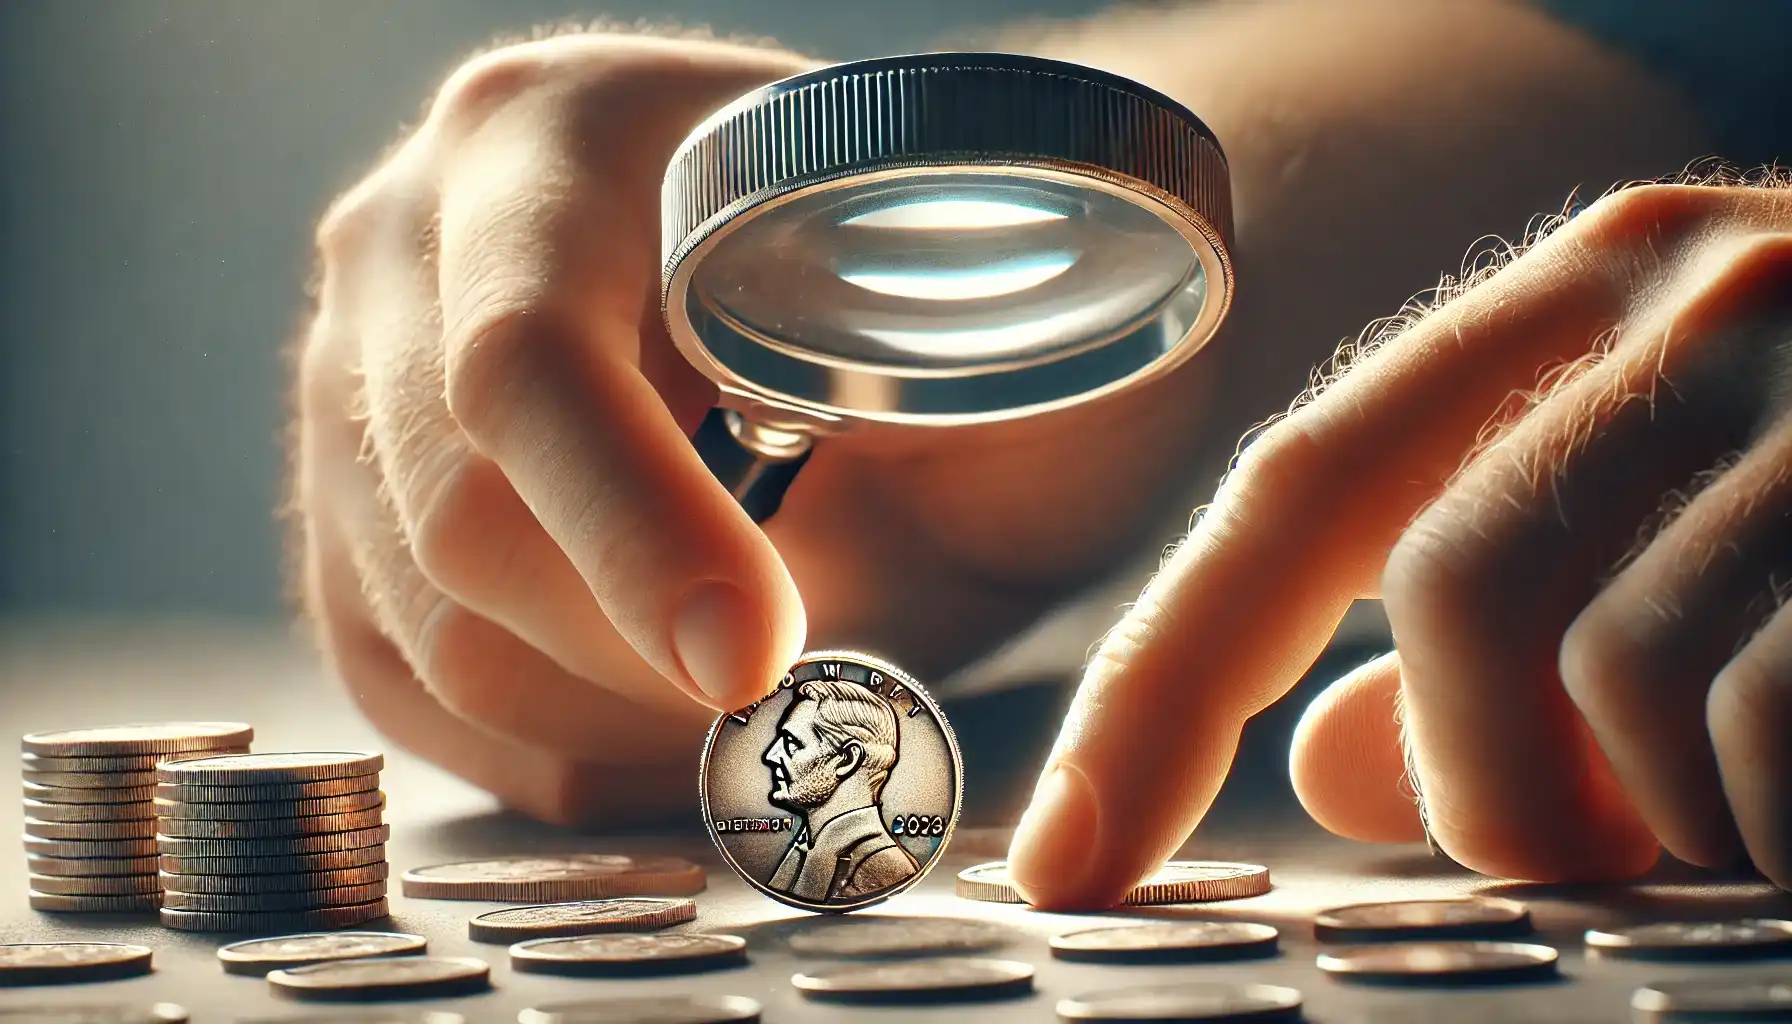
(272,842)
(90,809)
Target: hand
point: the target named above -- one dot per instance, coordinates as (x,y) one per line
(1584,579)
(515,557)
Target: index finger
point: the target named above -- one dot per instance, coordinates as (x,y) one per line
(1301,528)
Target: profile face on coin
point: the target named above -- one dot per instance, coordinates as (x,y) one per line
(839,790)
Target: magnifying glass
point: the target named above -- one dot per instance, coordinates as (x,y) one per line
(935,241)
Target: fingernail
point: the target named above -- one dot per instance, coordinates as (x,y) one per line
(1055,843)
(720,640)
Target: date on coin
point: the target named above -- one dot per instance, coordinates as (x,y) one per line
(839,790)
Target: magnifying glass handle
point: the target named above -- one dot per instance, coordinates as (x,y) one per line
(756,471)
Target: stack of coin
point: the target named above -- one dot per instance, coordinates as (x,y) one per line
(90,809)
(272,842)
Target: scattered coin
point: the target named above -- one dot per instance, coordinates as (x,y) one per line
(144,829)
(1179,881)
(384,1015)
(116,762)
(56,903)
(1742,939)
(260,769)
(58,963)
(938,980)
(277,846)
(647,1010)
(768,765)
(370,800)
(1199,1001)
(90,780)
(94,885)
(109,1013)
(71,795)
(294,864)
(79,813)
(259,956)
(628,954)
(1460,917)
(900,936)
(545,879)
(267,828)
(273,902)
(82,849)
(587,917)
(1172,941)
(198,793)
(407,977)
(71,867)
(302,920)
(1709,1000)
(1435,963)
(238,885)
(139,739)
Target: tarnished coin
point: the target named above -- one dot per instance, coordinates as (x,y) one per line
(555,878)
(85,849)
(1198,1001)
(936,980)
(1179,881)
(1741,939)
(226,885)
(71,867)
(117,762)
(1435,963)
(406,977)
(39,811)
(273,902)
(262,769)
(259,956)
(664,953)
(195,793)
(267,828)
(1168,942)
(839,790)
(647,1010)
(587,917)
(94,885)
(71,795)
(349,803)
(278,846)
(90,780)
(1710,1000)
(867,937)
(292,864)
(141,829)
(1457,917)
(91,1013)
(59,963)
(138,739)
(294,921)
(59,904)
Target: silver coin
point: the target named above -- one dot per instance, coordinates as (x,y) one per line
(278,846)
(365,801)
(273,902)
(138,739)
(71,795)
(1441,962)
(839,790)
(59,963)
(1456,917)
(117,762)
(90,780)
(1177,881)
(628,954)
(1171,941)
(395,1015)
(585,917)
(936,980)
(405,977)
(259,956)
(88,1013)
(1709,1000)
(1199,1001)
(1741,939)
(41,811)
(293,864)
(267,828)
(900,936)
(198,793)
(647,1010)
(555,878)
(262,769)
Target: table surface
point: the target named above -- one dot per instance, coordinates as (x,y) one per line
(67,675)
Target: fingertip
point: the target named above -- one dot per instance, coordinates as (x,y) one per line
(1347,762)
(730,646)
(1052,857)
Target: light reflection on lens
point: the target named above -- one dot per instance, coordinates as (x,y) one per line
(952,215)
(949,285)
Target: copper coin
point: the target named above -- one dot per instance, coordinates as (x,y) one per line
(259,956)
(90,780)
(1179,881)
(267,828)
(291,864)
(1199,1001)
(1433,963)
(142,829)
(586,917)
(301,920)
(71,795)
(95,885)
(83,849)
(59,963)
(555,878)
(248,885)
(348,803)
(277,846)
(72,867)
(273,902)
(59,904)
(628,954)
(1457,917)
(138,739)
(405,977)
(79,813)
(115,763)
(191,793)
(1171,941)
(262,769)
(903,981)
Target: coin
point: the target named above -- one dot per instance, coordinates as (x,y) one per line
(302,920)
(391,1015)
(259,769)
(79,813)
(143,829)
(554,878)
(647,1010)
(82,849)
(71,795)
(138,739)
(900,936)
(71,867)
(116,762)
(259,956)
(89,1013)
(57,963)
(293,864)
(854,741)
(1179,881)
(272,902)
(1461,917)
(267,828)
(95,885)
(405,977)
(665,953)
(1441,962)
(1167,942)
(192,793)
(59,904)
(351,802)
(1684,1001)
(278,846)
(90,780)
(1198,1001)
(947,978)
(588,917)
(225,885)
(1742,939)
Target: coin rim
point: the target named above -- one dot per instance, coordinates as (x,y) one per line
(677,910)
(1072,1008)
(1519,924)
(821,993)
(1339,966)
(44,745)
(1612,942)
(236,962)
(544,1013)
(1261,946)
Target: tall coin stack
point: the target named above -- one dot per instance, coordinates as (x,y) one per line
(271,842)
(90,809)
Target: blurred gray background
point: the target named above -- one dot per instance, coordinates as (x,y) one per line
(161,165)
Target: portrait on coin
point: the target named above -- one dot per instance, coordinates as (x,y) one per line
(829,759)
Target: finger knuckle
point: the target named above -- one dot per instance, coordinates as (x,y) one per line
(490,355)
(1753,691)
(1270,473)
(1651,209)
(486,84)
(1438,575)
(1601,661)
(451,656)
(459,536)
